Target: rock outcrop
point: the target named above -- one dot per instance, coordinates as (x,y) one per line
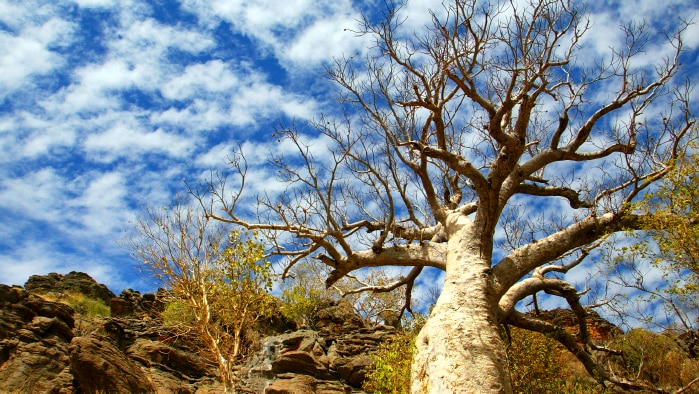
(77,282)
(132,304)
(333,359)
(99,367)
(45,347)
(600,329)
(34,335)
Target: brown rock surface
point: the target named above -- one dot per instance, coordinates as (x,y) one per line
(600,329)
(33,337)
(45,347)
(334,359)
(78,282)
(40,352)
(303,384)
(132,304)
(99,367)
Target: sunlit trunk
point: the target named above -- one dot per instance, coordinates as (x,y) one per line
(460,350)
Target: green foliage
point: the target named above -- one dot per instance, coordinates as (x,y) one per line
(672,221)
(654,358)
(535,363)
(539,364)
(176,313)
(393,360)
(299,303)
(82,304)
(238,283)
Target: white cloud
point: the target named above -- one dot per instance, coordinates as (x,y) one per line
(217,156)
(43,141)
(324,40)
(96,3)
(201,79)
(37,195)
(123,140)
(101,206)
(114,74)
(301,33)
(39,257)
(256,18)
(149,37)
(200,115)
(26,55)
(259,98)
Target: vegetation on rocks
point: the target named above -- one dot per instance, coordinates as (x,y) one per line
(83,305)
(392,361)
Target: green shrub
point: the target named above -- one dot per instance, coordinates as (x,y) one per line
(539,364)
(82,304)
(535,363)
(299,304)
(655,358)
(393,360)
(176,313)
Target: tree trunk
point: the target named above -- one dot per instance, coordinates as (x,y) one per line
(460,349)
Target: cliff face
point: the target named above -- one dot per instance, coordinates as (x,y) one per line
(45,347)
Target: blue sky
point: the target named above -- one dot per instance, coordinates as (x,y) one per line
(108,105)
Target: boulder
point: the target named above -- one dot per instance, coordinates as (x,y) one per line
(292,384)
(155,353)
(34,335)
(77,282)
(353,370)
(131,303)
(303,384)
(99,367)
(329,360)
(300,362)
(336,318)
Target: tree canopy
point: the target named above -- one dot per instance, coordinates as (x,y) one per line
(496,145)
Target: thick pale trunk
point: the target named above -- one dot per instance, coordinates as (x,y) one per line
(460,350)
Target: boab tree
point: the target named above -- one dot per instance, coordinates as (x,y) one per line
(467,134)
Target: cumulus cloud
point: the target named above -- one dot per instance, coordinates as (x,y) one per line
(121,140)
(28,53)
(301,33)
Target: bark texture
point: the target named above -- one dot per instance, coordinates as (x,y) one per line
(460,350)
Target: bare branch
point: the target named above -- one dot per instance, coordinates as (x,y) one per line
(553,191)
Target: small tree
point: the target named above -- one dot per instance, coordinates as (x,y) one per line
(241,282)
(656,358)
(659,265)
(672,220)
(215,277)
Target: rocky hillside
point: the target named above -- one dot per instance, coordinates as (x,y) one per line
(46,347)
